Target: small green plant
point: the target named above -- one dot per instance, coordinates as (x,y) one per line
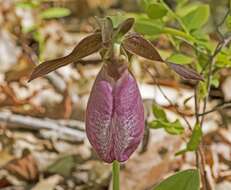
(185,24)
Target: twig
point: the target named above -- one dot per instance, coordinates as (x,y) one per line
(219,106)
(211,63)
(79,125)
(197,152)
(200,159)
(27,122)
(196,103)
(166,97)
(57,82)
(203,170)
(224,19)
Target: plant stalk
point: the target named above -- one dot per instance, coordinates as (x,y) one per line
(175,16)
(179,33)
(116,175)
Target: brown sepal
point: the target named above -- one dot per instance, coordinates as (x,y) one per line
(185,72)
(136,44)
(124,27)
(85,47)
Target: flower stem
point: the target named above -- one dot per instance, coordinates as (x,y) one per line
(116,175)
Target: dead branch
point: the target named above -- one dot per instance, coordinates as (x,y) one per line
(27,122)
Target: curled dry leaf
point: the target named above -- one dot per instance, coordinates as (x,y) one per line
(87,46)
(25,168)
(136,44)
(185,72)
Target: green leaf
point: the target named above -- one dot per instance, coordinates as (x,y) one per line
(62,166)
(156,11)
(195,138)
(224,58)
(197,18)
(202,62)
(55,12)
(181,2)
(145,3)
(182,11)
(201,36)
(27,5)
(173,128)
(155,124)
(215,80)
(179,58)
(228,22)
(194,141)
(148,27)
(184,180)
(180,152)
(159,112)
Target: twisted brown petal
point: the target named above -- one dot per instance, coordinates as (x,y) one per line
(185,72)
(87,46)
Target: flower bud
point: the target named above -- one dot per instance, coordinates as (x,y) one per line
(115,113)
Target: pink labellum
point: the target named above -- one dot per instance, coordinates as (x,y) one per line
(115,114)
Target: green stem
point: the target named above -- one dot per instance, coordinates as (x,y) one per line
(175,16)
(178,33)
(116,175)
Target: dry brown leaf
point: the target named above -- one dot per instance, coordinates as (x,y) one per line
(25,168)
(22,69)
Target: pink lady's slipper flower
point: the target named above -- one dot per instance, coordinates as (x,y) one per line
(115,113)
